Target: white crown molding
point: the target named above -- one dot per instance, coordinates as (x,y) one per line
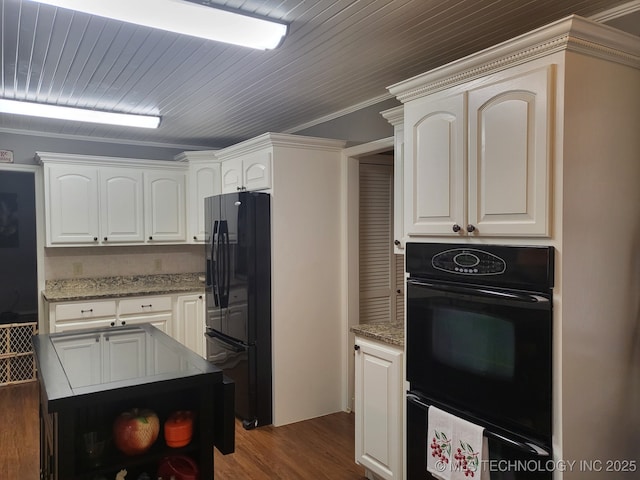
(395,116)
(98,160)
(200,155)
(572,33)
(270,140)
(616,12)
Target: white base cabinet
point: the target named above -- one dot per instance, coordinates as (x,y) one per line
(182,316)
(190,325)
(378,408)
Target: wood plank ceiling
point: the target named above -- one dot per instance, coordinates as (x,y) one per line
(339,53)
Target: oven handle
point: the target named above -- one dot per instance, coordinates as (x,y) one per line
(480,291)
(524,446)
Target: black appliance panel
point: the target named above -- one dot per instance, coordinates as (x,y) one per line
(484,348)
(528,268)
(511,457)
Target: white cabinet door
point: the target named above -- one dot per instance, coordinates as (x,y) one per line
(204,181)
(378,408)
(434,168)
(250,172)
(124,355)
(165,206)
(82,358)
(121,205)
(190,323)
(509,155)
(395,116)
(232,175)
(71,204)
(256,171)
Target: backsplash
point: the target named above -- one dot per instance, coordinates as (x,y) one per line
(91,262)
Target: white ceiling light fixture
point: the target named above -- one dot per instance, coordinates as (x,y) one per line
(78,114)
(198,18)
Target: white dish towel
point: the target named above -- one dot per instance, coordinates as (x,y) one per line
(457,449)
(440,439)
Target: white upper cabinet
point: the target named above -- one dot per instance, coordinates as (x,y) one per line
(71,204)
(509,127)
(121,205)
(477,156)
(434,175)
(165,206)
(248,172)
(92,200)
(395,117)
(203,180)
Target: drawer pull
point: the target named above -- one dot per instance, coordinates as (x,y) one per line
(146,306)
(86,311)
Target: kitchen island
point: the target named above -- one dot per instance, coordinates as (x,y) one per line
(87,378)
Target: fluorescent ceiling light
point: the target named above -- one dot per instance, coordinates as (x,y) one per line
(77,114)
(186,17)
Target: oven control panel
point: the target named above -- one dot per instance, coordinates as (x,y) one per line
(468,261)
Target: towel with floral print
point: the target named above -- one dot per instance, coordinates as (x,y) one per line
(469,450)
(440,443)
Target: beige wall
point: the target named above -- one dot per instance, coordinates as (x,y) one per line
(88,262)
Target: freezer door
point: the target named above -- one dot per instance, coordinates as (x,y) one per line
(236,362)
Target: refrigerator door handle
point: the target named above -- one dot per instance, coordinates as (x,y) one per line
(228,343)
(215,247)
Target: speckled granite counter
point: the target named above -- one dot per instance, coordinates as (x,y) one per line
(392,333)
(106,287)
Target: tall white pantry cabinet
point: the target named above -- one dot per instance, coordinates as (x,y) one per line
(537,141)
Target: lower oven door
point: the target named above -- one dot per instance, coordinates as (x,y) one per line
(483,350)
(510,457)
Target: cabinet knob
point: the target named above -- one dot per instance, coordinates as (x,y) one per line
(238,188)
(399,292)
(356,347)
(396,243)
(471,228)
(95,239)
(113,324)
(200,297)
(150,238)
(456,228)
(105,239)
(123,322)
(195,238)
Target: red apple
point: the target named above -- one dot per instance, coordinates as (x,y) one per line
(135,430)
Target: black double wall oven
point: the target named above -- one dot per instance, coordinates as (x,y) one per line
(479,346)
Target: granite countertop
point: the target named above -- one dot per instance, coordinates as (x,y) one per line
(387,332)
(108,287)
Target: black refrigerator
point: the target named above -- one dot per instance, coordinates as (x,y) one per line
(238,296)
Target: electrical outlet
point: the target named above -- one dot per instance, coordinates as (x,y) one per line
(77,268)
(158,265)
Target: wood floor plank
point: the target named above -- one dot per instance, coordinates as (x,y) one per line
(19,432)
(317,449)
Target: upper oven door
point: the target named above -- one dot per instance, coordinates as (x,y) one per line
(482,350)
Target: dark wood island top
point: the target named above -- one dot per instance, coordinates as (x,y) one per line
(87,378)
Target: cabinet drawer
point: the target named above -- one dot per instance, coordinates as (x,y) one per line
(74,311)
(138,305)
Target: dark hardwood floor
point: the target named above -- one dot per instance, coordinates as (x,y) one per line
(321,448)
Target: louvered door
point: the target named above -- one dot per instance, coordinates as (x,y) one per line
(377,265)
